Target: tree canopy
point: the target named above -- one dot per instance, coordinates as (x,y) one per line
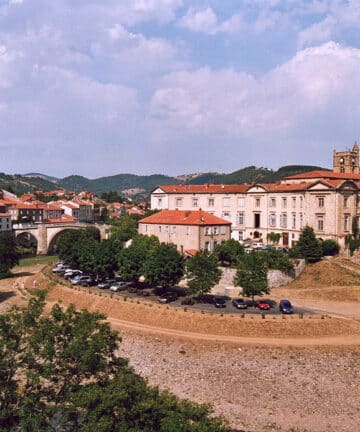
(251,275)
(60,372)
(202,272)
(8,254)
(308,247)
(229,251)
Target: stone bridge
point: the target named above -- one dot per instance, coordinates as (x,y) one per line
(46,233)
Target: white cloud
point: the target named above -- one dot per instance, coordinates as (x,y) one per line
(206,21)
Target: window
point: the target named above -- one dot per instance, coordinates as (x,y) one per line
(195,202)
(187,230)
(294,221)
(211,202)
(301,220)
(241,235)
(272,219)
(346,222)
(173,230)
(166,228)
(241,202)
(284,202)
(321,201)
(146,228)
(223,229)
(257,202)
(208,230)
(226,202)
(240,218)
(320,223)
(207,246)
(179,202)
(226,215)
(216,230)
(301,201)
(294,202)
(159,228)
(272,202)
(283,220)
(159,204)
(346,201)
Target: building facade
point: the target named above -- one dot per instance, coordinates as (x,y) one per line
(190,231)
(327,201)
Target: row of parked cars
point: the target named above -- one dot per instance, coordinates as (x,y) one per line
(77,277)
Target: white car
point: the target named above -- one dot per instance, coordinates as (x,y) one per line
(119,286)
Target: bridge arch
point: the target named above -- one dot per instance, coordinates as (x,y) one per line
(28,240)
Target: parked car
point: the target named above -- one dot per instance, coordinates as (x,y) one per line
(262,305)
(78,279)
(168,297)
(106,284)
(285,307)
(271,303)
(69,274)
(87,281)
(250,303)
(118,286)
(60,268)
(239,303)
(220,301)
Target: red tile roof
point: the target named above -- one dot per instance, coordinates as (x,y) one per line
(205,188)
(325,175)
(184,217)
(5,215)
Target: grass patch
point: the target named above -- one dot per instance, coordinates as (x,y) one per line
(42,259)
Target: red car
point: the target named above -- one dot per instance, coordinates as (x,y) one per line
(262,305)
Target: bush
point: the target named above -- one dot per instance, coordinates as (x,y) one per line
(330,248)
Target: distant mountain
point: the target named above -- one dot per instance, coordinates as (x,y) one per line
(137,185)
(43,176)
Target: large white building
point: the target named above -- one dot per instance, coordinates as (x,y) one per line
(325,200)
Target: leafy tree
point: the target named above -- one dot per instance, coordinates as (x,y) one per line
(276,260)
(330,247)
(355,227)
(132,259)
(164,266)
(308,246)
(8,254)
(60,371)
(124,229)
(251,275)
(229,251)
(202,272)
(106,258)
(274,237)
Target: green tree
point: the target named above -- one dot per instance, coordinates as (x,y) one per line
(202,272)
(60,371)
(124,229)
(308,246)
(106,258)
(8,254)
(355,227)
(229,251)
(164,266)
(330,247)
(251,275)
(132,259)
(274,237)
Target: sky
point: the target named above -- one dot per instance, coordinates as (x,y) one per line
(102,87)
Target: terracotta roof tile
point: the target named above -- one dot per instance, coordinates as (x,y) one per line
(205,188)
(184,217)
(325,175)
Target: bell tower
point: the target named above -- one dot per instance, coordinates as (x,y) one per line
(347,161)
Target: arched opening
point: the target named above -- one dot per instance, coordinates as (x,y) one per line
(52,249)
(26,244)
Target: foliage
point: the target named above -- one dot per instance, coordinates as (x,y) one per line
(308,247)
(330,247)
(229,251)
(8,254)
(277,260)
(60,371)
(131,259)
(251,275)
(123,229)
(164,266)
(355,227)
(274,237)
(202,272)
(111,197)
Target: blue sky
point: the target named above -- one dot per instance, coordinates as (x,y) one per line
(101,87)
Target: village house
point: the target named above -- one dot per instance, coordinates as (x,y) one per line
(189,230)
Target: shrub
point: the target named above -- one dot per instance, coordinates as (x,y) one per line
(330,248)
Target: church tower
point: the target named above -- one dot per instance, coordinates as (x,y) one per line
(347,161)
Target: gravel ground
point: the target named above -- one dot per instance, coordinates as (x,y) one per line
(257,388)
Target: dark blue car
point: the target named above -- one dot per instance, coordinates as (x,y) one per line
(286,307)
